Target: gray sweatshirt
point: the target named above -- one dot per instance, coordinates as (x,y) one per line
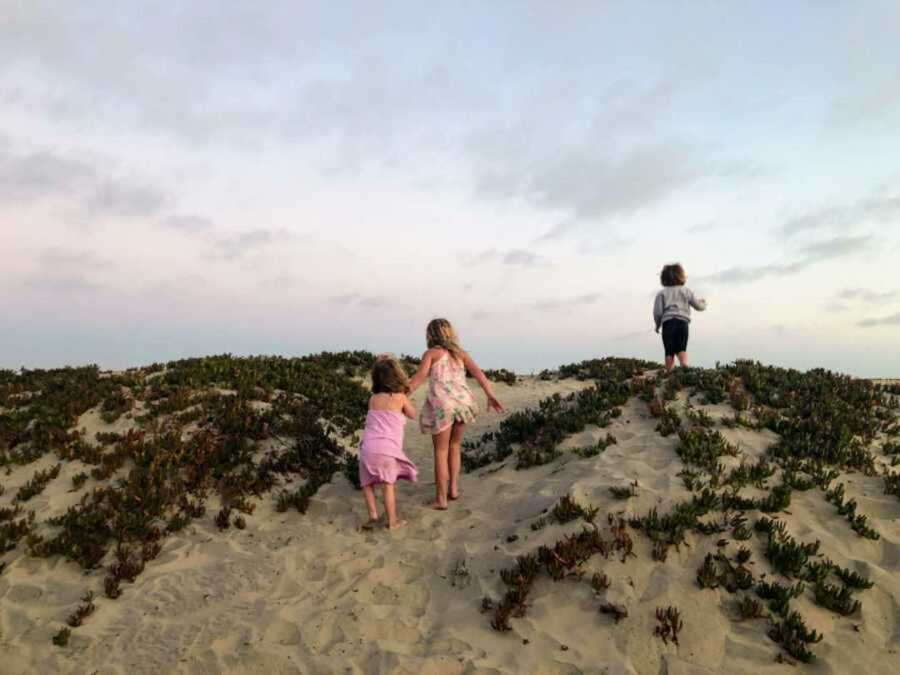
(675,302)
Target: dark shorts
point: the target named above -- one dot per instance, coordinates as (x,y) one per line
(675,336)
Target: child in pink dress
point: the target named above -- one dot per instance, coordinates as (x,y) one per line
(450,404)
(381,457)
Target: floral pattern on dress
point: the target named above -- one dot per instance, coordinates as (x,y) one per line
(449,398)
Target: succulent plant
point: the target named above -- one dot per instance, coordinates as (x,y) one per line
(838,599)
(61,639)
(794,636)
(669,624)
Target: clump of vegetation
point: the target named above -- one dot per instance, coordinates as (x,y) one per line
(700,418)
(501,375)
(794,636)
(534,434)
(84,610)
(669,624)
(838,599)
(750,608)
(704,448)
(858,522)
(624,491)
(61,639)
(562,560)
(594,450)
(670,529)
(38,482)
(669,422)
(717,570)
(116,404)
(852,579)
(599,582)
(779,596)
(568,509)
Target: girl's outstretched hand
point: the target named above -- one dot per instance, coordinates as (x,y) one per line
(494,404)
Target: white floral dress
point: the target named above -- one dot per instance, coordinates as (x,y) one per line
(449,398)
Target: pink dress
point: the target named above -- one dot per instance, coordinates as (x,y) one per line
(449,398)
(381,456)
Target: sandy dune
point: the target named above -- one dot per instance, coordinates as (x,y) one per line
(311,594)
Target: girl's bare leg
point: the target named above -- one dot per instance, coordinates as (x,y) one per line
(369,497)
(670,363)
(441,443)
(683,359)
(455,458)
(390,506)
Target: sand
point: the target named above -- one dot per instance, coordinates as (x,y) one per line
(310,593)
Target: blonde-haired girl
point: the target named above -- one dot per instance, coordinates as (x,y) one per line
(450,404)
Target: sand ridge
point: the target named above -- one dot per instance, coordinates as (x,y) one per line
(311,594)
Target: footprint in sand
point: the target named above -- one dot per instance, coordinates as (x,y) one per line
(283,632)
(22,593)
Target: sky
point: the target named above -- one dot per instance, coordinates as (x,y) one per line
(189,178)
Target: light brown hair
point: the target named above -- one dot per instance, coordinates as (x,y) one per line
(440,333)
(388,377)
(672,275)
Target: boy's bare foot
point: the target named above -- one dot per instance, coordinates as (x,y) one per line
(437,506)
(397,525)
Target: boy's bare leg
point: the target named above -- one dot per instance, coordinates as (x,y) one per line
(670,363)
(455,459)
(683,359)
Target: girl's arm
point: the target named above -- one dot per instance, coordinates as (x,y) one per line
(408,408)
(485,383)
(421,374)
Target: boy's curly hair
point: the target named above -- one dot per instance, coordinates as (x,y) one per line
(388,376)
(672,275)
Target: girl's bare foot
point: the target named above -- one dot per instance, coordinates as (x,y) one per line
(453,497)
(437,506)
(397,525)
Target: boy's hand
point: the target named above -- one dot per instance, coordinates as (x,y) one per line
(657,329)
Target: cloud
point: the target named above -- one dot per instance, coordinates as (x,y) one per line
(55,258)
(873,210)
(242,244)
(516,257)
(125,199)
(892,320)
(867,296)
(186,222)
(810,255)
(702,228)
(589,181)
(522,258)
(358,300)
(567,303)
(48,174)
(65,284)
(40,174)
(876,104)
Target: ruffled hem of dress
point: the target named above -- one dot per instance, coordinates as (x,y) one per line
(385,469)
(462,414)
